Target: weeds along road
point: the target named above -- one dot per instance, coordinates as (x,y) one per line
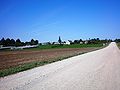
(97,70)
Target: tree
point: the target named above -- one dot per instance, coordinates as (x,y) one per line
(22,43)
(2,42)
(32,42)
(12,42)
(59,40)
(71,42)
(117,40)
(81,40)
(18,42)
(76,41)
(98,39)
(7,42)
(27,43)
(36,42)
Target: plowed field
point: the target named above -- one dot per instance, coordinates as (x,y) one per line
(15,58)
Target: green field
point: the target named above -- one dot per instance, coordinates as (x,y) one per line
(66,46)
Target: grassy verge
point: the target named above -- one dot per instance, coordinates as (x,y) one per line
(31,65)
(118,45)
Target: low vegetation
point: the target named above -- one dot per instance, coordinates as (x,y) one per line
(66,46)
(118,45)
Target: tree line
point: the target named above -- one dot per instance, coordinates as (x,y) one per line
(117,40)
(18,42)
(90,41)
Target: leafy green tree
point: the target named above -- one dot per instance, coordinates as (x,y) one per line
(18,42)
(36,42)
(76,41)
(32,42)
(12,42)
(27,43)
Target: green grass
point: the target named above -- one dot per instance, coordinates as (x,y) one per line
(65,46)
(41,47)
(23,67)
(118,45)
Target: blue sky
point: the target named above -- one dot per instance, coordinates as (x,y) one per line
(46,20)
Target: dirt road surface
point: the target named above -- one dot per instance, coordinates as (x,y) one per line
(97,70)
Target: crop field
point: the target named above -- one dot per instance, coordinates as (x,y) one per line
(20,60)
(66,46)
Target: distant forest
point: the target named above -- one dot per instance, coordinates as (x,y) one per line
(97,41)
(93,41)
(18,42)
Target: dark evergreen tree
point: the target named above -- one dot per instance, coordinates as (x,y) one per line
(2,42)
(7,42)
(59,40)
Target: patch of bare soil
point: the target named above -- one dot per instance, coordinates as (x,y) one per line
(14,58)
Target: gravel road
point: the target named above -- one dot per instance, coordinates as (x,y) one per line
(97,70)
